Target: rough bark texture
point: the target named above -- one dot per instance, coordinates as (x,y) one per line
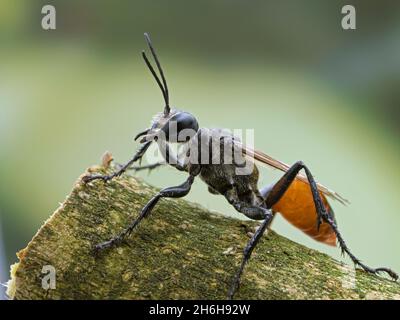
(181,251)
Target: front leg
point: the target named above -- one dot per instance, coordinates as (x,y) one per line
(138,155)
(171,192)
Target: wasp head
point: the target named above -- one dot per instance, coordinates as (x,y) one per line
(177,126)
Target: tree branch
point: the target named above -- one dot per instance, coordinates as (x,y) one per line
(181,251)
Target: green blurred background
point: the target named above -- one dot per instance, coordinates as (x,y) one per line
(311,91)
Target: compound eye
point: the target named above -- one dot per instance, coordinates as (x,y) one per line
(181,127)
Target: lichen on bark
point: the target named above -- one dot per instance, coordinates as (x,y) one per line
(181,251)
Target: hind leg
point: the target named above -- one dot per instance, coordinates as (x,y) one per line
(274,194)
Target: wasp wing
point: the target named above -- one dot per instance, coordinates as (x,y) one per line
(274,163)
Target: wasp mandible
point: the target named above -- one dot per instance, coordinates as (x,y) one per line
(296,195)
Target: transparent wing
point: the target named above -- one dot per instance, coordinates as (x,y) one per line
(271,162)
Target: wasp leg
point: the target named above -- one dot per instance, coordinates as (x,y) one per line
(247,253)
(171,192)
(138,155)
(149,167)
(278,190)
(253,212)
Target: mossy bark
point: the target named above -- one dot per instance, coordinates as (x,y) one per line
(181,251)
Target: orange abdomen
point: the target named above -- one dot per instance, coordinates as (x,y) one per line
(297,206)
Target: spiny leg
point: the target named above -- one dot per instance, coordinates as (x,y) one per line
(171,192)
(138,155)
(149,167)
(247,253)
(278,190)
(253,212)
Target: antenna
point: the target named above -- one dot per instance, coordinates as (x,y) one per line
(163,86)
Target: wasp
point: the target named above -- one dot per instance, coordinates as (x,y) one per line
(296,195)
